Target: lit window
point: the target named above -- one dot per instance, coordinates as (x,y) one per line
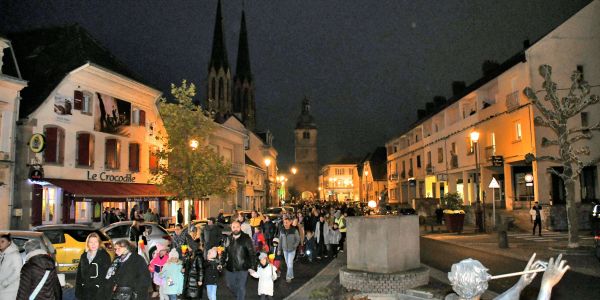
(518,131)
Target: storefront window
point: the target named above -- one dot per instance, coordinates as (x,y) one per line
(49,205)
(83,211)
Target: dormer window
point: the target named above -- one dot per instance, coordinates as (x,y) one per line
(306,135)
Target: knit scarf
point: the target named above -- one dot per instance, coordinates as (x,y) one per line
(116,264)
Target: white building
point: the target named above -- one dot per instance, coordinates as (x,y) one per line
(10,88)
(437,154)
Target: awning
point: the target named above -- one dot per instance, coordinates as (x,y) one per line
(100,189)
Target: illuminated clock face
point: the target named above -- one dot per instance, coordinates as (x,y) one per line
(37,143)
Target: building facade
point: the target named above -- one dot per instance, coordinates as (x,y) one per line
(10,96)
(374,175)
(437,154)
(306,157)
(339,180)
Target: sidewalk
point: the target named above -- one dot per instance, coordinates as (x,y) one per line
(522,245)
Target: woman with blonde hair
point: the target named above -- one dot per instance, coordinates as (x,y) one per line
(90,282)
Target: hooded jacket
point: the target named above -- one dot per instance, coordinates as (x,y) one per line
(194,273)
(10,268)
(32,273)
(91,276)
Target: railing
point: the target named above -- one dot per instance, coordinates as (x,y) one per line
(394,176)
(237,169)
(512,101)
(454,161)
(429,169)
(403,174)
(410,173)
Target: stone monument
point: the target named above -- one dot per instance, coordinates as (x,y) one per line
(383,254)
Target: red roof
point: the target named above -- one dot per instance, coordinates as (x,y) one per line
(82,188)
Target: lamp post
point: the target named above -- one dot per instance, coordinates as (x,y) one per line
(480,217)
(268,181)
(193,145)
(528,183)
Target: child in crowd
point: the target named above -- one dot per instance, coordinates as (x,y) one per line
(212,267)
(172,275)
(258,239)
(266,274)
(277,258)
(156,264)
(310,245)
(334,239)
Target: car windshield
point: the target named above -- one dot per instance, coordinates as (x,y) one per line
(274,210)
(81,234)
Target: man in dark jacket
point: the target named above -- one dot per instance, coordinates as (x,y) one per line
(269,230)
(38,270)
(239,257)
(211,235)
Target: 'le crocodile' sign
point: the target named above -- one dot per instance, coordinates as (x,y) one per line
(103,176)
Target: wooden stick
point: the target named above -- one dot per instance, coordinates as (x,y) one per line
(517,273)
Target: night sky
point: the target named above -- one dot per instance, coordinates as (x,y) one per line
(367,66)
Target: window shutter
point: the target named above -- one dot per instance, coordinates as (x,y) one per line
(110,154)
(142,118)
(83,149)
(78,102)
(134,153)
(153,160)
(91,149)
(51,140)
(61,145)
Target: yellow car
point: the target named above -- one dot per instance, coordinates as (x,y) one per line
(69,242)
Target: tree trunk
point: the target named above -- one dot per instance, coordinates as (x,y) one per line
(572,214)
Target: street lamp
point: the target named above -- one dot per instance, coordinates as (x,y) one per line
(528,183)
(480,215)
(294,170)
(268,180)
(194,144)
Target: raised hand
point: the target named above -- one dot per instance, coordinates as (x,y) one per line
(554,273)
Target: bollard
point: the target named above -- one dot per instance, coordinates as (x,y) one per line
(502,236)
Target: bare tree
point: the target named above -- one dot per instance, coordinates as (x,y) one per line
(556,116)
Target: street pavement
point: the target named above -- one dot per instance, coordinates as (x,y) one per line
(440,251)
(303,272)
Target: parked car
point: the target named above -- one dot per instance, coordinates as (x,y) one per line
(199,224)
(19,237)
(69,242)
(246,213)
(157,234)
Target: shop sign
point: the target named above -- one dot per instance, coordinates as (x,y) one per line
(37,143)
(103,176)
(497,161)
(141,199)
(36,172)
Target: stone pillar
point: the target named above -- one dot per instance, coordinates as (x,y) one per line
(466,189)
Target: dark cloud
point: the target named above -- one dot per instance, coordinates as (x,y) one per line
(367,65)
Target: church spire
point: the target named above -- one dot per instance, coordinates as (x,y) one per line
(242,69)
(218,57)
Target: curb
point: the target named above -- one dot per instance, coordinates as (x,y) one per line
(317,279)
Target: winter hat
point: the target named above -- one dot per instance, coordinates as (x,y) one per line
(262,255)
(212,253)
(173,254)
(276,240)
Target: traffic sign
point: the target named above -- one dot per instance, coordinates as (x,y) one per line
(494,184)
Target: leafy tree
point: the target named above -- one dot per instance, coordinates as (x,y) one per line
(188,170)
(556,116)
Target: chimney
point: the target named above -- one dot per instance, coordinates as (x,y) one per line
(439,101)
(458,87)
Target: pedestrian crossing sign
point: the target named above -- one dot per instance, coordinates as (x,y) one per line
(494,184)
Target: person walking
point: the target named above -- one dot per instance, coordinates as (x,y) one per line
(334,239)
(256,220)
(239,257)
(180,219)
(221,217)
(128,276)
(106,217)
(133,213)
(322,236)
(537,211)
(161,256)
(289,240)
(39,277)
(136,232)
(90,283)
(211,235)
(269,230)
(266,275)
(10,267)
(181,238)
(194,273)
(341,222)
(212,268)
(172,275)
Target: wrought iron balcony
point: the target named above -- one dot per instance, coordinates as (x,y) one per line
(429,169)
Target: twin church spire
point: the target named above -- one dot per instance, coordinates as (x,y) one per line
(227,96)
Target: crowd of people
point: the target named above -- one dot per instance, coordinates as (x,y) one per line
(190,265)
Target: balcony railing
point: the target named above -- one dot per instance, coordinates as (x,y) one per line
(454,161)
(237,169)
(512,101)
(394,176)
(410,173)
(403,174)
(429,169)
